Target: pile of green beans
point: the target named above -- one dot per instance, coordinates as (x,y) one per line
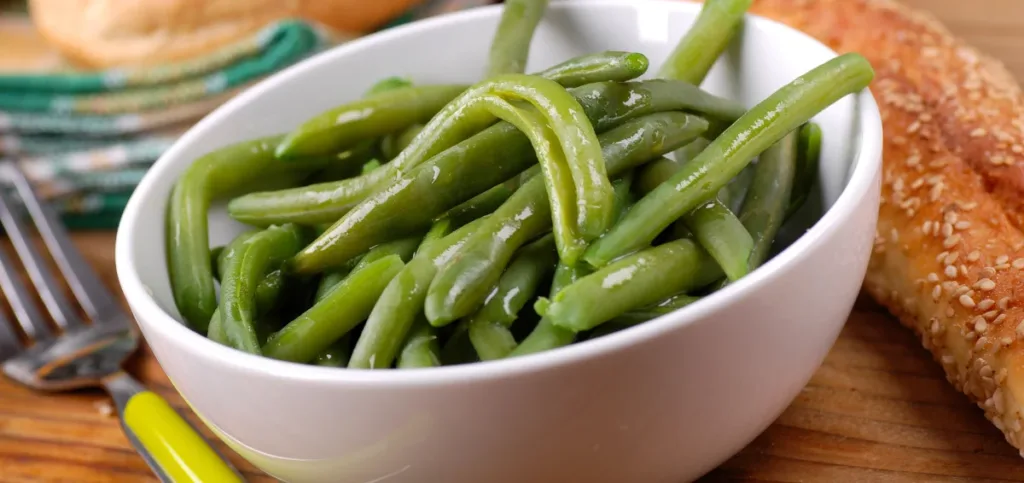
(425,225)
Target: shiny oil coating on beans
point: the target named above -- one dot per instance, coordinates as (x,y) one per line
(471,167)
(328,201)
(229,171)
(461,287)
(728,154)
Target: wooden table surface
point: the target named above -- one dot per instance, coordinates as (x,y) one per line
(878,410)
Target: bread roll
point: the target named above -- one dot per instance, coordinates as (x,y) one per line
(949,253)
(106,33)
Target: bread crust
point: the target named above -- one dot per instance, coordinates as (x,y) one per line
(109,33)
(949,251)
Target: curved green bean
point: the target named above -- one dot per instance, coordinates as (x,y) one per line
(511,43)
(235,169)
(348,304)
(382,113)
(456,174)
(727,155)
(705,41)
(764,208)
(461,287)
(488,327)
(243,270)
(631,282)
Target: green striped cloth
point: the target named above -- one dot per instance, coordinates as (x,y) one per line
(85,139)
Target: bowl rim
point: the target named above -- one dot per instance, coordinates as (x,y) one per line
(867,158)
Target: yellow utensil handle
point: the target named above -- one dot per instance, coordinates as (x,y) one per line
(172,443)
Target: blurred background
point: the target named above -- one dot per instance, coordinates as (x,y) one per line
(93,91)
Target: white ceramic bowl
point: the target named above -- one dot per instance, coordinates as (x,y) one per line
(662,402)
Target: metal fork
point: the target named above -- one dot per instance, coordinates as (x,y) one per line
(80,354)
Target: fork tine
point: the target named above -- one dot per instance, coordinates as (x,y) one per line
(9,344)
(56,304)
(29,319)
(84,283)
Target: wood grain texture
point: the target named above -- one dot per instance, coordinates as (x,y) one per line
(878,410)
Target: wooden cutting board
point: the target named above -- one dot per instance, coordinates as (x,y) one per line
(878,410)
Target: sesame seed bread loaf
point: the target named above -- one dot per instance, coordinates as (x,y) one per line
(949,252)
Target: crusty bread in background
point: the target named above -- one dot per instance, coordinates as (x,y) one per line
(105,33)
(949,251)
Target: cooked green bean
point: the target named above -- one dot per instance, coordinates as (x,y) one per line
(393,144)
(386,112)
(401,303)
(485,203)
(600,67)
(727,155)
(461,172)
(764,209)
(242,270)
(421,348)
(232,170)
(717,229)
(546,335)
(388,84)
(511,43)
(488,327)
(629,283)
(806,176)
(337,354)
(656,172)
(639,316)
(348,304)
(460,288)
(705,41)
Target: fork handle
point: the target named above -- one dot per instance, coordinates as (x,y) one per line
(170,445)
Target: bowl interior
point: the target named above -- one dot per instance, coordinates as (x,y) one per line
(453,48)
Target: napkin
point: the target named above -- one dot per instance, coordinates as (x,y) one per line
(86,138)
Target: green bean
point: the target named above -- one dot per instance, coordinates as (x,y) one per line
(243,269)
(401,303)
(235,169)
(630,283)
(460,288)
(421,348)
(600,67)
(337,354)
(385,112)
(387,84)
(485,203)
(348,304)
(404,248)
(727,155)
(215,253)
(764,209)
(328,282)
(546,335)
(458,173)
(806,176)
(656,172)
(717,229)
(394,143)
(639,316)
(488,327)
(511,42)
(734,192)
(705,41)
